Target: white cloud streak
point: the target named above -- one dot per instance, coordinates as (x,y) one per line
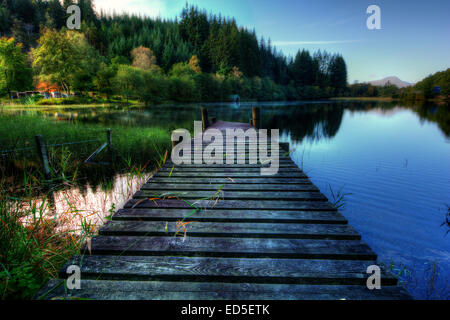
(300,43)
(152,8)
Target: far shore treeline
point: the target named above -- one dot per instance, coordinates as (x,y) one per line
(197,57)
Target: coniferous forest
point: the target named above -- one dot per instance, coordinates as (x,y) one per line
(198,56)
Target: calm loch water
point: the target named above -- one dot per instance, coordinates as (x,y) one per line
(396,168)
(391,161)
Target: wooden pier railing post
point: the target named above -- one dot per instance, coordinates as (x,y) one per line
(204,118)
(256,117)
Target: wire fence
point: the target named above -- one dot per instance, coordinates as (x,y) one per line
(41,147)
(48,145)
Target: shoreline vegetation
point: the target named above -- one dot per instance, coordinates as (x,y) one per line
(102,103)
(45,222)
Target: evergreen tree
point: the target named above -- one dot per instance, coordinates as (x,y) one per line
(302,69)
(56,15)
(338,74)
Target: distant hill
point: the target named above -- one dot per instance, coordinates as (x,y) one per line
(393,80)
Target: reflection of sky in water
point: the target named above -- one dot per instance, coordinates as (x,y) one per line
(72,206)
(396,168)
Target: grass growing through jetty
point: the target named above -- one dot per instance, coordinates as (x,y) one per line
(339,197)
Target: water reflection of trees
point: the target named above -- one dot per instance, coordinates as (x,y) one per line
(310,120)
(439,114)
(314,121)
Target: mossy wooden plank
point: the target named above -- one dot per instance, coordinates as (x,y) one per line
(232,195)
(249,215)
(228,187)
(231,204)
(232,247)
(230,270)
(231,229)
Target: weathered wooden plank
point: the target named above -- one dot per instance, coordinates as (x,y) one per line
(229,270)
(240,148)
(231,229)
(170,290)
(229,174)
(229,187)
(232,247)
(224,170)
(231,195)
(170,164)
(235,162)
(236,180)
(255,157)
(232,204)
(249,215)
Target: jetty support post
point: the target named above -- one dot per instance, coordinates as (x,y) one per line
(205,123)
(256,111)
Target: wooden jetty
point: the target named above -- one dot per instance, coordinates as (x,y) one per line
(254,237)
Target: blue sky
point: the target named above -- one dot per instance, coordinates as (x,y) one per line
(414,40)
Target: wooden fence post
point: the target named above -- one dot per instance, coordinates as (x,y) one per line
(256,117)
(43,154)
(110,145)
(108,138)
(204,119)
(42,151)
